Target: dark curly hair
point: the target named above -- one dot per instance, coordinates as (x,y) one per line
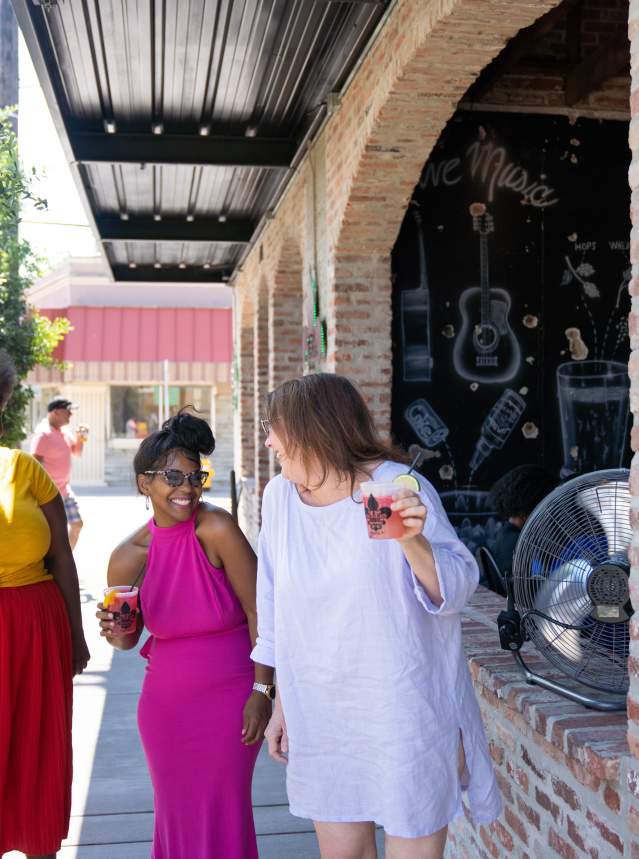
(8,377)
(185,433)
(519,491)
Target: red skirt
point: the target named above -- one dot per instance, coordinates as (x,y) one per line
(35,719)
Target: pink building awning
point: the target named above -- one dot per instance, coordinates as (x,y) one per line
(142,334)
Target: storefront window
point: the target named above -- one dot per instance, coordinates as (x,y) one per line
(135,411)
(198,397)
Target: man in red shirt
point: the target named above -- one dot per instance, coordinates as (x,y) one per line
(53,448)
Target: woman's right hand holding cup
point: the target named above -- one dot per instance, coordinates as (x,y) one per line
(107,624)
(110,628)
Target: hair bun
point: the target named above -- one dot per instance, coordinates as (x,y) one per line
(190,433)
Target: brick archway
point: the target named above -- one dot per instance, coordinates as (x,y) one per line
(260,385)
(244,383)
(285,320)
(408,88)
(286,315)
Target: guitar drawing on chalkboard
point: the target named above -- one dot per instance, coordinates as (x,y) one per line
(415,318)
(486,349)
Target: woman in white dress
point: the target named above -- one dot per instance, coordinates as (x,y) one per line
(375,712)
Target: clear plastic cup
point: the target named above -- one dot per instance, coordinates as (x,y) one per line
(383,523)
(122,602)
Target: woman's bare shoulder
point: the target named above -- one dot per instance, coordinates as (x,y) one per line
(128,557)
(213,520)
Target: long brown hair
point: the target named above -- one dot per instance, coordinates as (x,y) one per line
(324,418)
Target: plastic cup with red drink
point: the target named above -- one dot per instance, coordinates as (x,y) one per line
(122,602)
(383,523)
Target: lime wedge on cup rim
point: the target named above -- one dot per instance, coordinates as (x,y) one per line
(407,480)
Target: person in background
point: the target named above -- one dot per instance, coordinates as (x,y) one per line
(41,647)
(53,447)
(514,497)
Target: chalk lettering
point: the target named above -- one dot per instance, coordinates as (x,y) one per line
(437,173)
(490,164)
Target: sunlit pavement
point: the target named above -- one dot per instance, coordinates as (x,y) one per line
(112,811)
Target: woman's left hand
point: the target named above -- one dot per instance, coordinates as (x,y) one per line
(257,712)
(81,653)
(412,510)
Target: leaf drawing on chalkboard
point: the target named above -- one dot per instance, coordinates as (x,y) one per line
(584,270)
(566,278)
(618,324)
(589,290)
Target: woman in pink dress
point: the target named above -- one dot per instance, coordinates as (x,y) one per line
(204,706)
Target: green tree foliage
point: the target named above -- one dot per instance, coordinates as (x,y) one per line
(27,336)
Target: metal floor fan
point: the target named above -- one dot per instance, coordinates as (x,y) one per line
(569,593)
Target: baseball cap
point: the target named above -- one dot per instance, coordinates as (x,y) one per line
(60,403)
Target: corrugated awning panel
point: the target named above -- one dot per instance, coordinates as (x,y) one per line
(174,190)
(146,334)
(191,109)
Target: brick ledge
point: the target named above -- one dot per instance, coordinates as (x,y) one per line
(591,743)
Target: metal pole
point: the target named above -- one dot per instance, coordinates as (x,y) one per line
(167,412)
(234,498)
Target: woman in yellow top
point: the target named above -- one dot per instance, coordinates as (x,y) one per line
(41,647)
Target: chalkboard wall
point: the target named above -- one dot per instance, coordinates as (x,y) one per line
(510,305)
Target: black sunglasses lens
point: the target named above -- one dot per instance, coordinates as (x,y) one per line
(174,478)
(197,478)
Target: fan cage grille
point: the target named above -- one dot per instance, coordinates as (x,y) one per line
(582,525)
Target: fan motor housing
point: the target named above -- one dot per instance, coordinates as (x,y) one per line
(609,592)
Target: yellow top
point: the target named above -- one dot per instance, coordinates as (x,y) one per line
(24,532)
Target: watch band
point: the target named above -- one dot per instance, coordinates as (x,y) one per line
(267,689)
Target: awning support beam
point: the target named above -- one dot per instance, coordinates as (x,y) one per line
(175,230)
(172,274)
(192,149)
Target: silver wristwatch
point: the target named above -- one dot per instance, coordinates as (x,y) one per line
(267,689)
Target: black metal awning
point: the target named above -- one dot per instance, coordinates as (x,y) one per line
(183,118)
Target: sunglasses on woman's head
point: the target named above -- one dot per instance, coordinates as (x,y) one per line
(174,477)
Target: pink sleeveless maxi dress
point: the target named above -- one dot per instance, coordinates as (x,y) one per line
(198,678)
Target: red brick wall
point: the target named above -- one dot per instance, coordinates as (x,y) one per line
(286,317)
(261,384)
(566,774)
(536,81)
(245,388)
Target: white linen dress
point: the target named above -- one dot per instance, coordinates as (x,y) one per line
(372,676)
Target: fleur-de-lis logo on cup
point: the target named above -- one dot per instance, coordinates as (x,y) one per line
(376,516)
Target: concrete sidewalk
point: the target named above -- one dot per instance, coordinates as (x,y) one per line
(112,799)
